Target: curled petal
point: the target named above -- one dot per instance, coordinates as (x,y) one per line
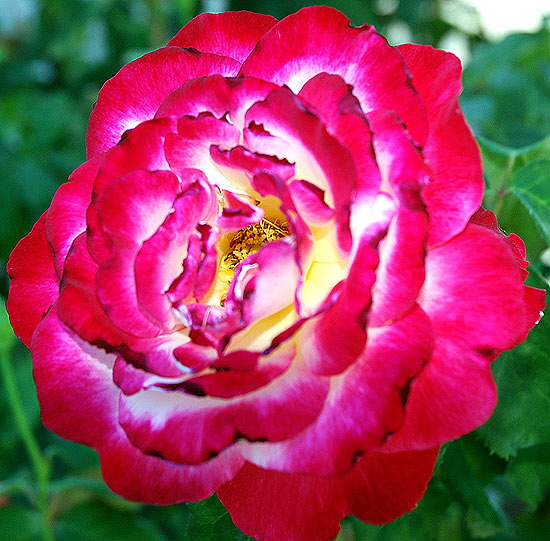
(400,274)
(150,196)
(404,171)
(224,98)
(142,149)
(309,201)
(190,148)
(265,282)
(232,383)
(238,213)
(162,257)
(323,160)
(190,429)
(341,112)
(252,163)
(287,55)
(78,306)
(199,267)
(136,91)
(80,310)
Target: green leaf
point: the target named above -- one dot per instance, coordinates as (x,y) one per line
(507,89)
(500,162)
(523,378)
(529,473)
(210,521)
(95,520)
(531,185)
(521,216)
(482,517)
(18,523)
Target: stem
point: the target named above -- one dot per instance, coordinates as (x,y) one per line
(503,190)
(38,462)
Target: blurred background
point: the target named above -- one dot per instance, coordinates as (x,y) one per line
(54,57)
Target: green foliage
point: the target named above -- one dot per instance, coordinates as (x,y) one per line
(529,473)
(523,379)
(518,190)
(18,523)
(531,185)
(493,484)
(94,519)
(210,521)
(419,19)
(507,89)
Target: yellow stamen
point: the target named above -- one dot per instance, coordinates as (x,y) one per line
(247,241)
(250,239)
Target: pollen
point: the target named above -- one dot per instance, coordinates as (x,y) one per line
(250,239)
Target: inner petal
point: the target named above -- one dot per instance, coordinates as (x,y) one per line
(328,266)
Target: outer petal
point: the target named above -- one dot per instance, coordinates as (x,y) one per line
(73,383)
(66,217)
(186,428)
(473,274)
(365,404)
(535,302)
(457,188)
(34,282)
(153,480)
(232,34)
(473,294)
(271,506)
(80,402)
(135,92)
(291,54)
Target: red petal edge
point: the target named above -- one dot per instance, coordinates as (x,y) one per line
(271,506)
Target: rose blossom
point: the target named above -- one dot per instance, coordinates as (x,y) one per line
(272,278)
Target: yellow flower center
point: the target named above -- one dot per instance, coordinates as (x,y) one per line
(236,247)
(250,239)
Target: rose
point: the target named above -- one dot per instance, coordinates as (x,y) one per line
(272,278)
